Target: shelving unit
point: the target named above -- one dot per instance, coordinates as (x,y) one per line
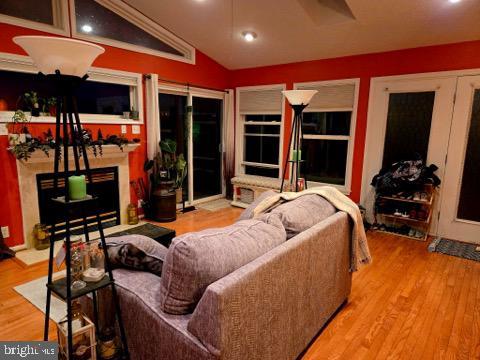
(404,203)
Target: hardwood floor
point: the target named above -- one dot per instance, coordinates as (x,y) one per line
(408,304)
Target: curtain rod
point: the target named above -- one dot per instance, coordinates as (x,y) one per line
(186,84)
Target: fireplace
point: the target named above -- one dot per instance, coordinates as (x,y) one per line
(40,164)
(104,184)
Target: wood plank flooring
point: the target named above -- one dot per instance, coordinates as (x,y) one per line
(409,304)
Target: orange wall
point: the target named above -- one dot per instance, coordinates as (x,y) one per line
(427,59)
(205,72)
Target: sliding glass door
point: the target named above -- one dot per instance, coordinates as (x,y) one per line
(195,124)
(207,147)
(174,126)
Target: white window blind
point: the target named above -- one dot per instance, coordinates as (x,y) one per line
(260,101)
(341,96)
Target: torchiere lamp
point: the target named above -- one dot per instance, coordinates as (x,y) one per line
(299,100)
(63,64)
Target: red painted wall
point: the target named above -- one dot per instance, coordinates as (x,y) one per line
(205,72)
(427,59)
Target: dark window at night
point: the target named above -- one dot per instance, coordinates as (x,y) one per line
(96,20)
(93,97)
(258,171)
(326,160)
(261,144)
(325,147)
(40,11)
(327,123)
(102,98)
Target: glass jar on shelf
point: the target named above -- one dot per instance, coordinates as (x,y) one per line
(96,263)
(77,263)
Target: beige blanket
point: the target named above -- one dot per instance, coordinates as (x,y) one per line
(360,251)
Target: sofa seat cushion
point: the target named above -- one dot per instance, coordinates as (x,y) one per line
(195,260)
(302,213)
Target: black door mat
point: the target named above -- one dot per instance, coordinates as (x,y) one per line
(455,248)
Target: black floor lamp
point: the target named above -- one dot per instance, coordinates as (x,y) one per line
(63,64)
(299,100)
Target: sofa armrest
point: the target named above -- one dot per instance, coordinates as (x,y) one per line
(272,307)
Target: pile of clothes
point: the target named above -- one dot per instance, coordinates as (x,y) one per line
(405,176)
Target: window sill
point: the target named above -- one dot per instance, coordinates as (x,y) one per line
(6,117)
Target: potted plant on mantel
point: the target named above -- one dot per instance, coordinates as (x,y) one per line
(165,178)
(17,135)
(32,101)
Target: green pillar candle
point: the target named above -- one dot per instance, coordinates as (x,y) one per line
(77,187)
(296,155)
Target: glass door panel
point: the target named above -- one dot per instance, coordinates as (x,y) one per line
(174,125)
(409,120)
(468,207)
(460,213)
(207,140)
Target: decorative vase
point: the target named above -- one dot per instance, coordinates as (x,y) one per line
(36,111)
(132,214)
(134,115)
(41,236)
(178,194)
(163,205)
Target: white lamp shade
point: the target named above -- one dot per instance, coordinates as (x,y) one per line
(71,57)
(299,97)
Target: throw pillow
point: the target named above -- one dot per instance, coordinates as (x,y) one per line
(136,252)
(303,213)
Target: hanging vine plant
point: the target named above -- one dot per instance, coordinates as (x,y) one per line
(24,150)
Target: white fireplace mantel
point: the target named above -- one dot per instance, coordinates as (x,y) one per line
(40,163)
(108,151)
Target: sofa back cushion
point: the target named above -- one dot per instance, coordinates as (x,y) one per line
(248,212)
(302,213)
(195,260)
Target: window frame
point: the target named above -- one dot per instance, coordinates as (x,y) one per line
(141,21)
(60,11)
(240,163)
(23,64)
(347,187)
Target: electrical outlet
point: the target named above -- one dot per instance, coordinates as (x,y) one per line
(124,129)
(5,232)
(3,129)
(135,129)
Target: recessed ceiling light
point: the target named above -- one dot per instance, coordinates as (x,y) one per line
(249,35)
(454,1)
(87,28)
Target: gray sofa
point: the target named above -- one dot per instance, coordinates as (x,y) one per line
(271,307)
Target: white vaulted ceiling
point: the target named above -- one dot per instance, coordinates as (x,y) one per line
(298,30)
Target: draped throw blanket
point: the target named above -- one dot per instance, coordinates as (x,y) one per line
(360,254)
